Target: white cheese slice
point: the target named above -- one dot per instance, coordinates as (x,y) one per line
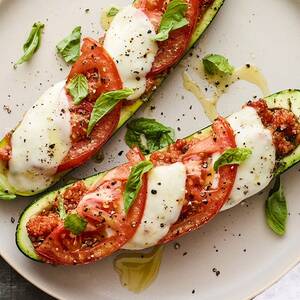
(130,42)
(40,142)
(165,195)
(255,173)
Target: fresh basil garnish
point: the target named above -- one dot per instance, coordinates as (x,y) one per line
(7,196)
(112,12)
(134,182)
(173,18)
(78,88)
(75,223)
(276,209)
(217,64)
(69,47)
(232,156)
(105,103)
(148,134)
(32,43)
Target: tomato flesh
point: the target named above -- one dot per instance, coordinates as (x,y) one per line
(203,201)
(102,75)
(108,229)
(5,149)
(171,50)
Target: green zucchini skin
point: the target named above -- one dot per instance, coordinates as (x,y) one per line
(128,111)
(289,99)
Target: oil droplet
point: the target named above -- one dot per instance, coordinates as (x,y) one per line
(106,20)
(99,157)
(221,83)
(209,105)
(253,75)
(138,270)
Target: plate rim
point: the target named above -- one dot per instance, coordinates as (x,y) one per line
(252,295)
(43,287)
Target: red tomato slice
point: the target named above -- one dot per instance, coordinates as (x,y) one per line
(154,9)
(88,45)
(5,149)
(151,5)
(207,201)
(101,72)
(171,50)
(109,228)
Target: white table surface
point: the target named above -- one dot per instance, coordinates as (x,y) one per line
(287,288)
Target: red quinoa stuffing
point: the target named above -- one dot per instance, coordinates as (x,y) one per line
(283,124)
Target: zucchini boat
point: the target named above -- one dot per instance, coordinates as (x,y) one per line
(274,121)
(31,170)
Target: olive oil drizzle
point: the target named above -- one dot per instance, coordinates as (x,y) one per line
(209,105)
(221,83)
(106,20)
(138,270)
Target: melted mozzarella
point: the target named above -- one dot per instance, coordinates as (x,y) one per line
(130,43)
(256,172)
(165,195)
(40,142)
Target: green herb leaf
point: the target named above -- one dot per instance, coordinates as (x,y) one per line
(233,156)
(105,103)
(217,64)
(148,134)
(112,12)
(33,42)
(61,207)
(75,223)
(173,18)
(6,196)
(276,209)
(78,88)
(134,182)
(69,47)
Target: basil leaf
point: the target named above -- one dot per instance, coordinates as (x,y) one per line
(75,223)
(6,196)
(217,64)
(69,47)
(233,156)
(32,43)
(172,19)
(105,103)
(112,12)
(78,88)
(276,209)
(148,134)
(61,207)
(166,139)
(134,182)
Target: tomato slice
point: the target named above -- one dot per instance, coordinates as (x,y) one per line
(5,148)
(154,10)
(205,201)
(172,49)
(102,75)
(99,68)
(108,229)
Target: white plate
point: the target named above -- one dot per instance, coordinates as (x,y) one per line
(265,33)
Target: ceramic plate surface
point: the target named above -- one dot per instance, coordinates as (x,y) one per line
(237,242)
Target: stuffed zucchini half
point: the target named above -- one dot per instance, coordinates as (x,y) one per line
(155,199)
(107,84)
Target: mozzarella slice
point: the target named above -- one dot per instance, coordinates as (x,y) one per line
(256,172)
(130,42)
(40,142)
(165,195)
